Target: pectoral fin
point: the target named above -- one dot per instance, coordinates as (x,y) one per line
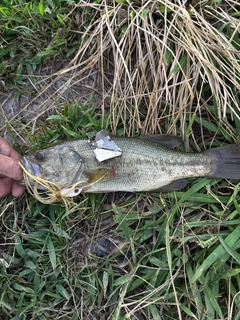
(97,175)
(166,140)
(173,186)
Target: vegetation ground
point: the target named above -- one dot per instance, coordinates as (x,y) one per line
(162,67)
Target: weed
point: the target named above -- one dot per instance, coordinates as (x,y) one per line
(173,68)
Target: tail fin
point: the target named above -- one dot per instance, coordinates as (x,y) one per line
(226,161)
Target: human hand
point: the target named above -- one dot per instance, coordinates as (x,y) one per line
(10,171)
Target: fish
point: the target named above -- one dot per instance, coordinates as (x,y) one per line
(149,163)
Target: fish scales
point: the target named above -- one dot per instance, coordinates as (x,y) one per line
(143,165)
(151,169)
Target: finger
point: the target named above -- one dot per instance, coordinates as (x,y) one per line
(7,150)
(17,190)
(5,186)
(10,168)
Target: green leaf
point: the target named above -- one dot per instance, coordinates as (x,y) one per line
(121,219)
(46,53)
(23,288)
(41,7)
(218,253)
(19,70)
(145,13)
(232,252)
(213,300)
(57,117)
(230,273)
(207,124)
(163,8)
(51,252)
(70,132)
(154,312)
(192,191)
(19,247)
(181,64)
(62,291)
(188,311)
(121,280)
(61,20)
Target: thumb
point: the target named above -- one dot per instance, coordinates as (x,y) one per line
(10,168)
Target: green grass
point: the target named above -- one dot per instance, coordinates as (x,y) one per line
(180,254)
(180,249)
(21,53)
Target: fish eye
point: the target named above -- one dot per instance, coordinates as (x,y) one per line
(39,156)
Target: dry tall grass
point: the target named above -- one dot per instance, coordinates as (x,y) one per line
(154,65)
(169,60)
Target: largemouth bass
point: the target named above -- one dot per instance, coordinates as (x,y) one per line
(144,164)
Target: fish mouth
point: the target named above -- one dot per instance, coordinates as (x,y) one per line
(32,168)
